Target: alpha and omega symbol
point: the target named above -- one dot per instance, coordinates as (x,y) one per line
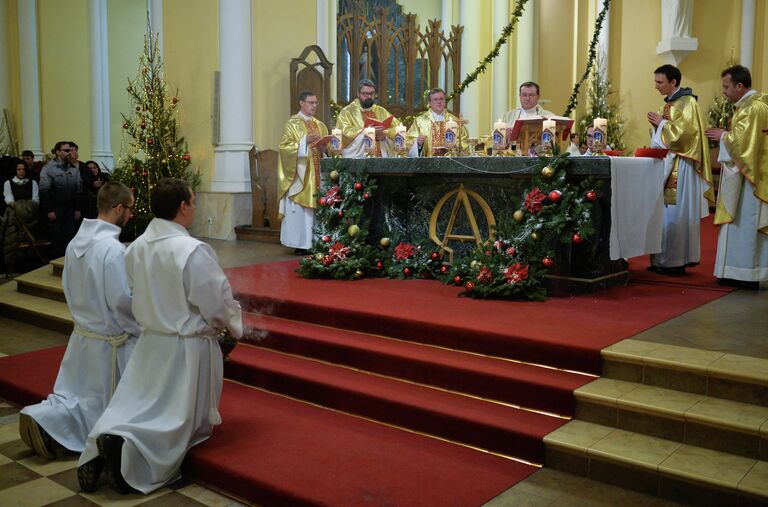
(461,200)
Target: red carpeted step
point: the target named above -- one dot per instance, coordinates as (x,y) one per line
(496,427)
(274,451)
(26,379)
(531,386)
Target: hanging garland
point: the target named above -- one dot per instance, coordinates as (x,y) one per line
(481,68)
(572,101)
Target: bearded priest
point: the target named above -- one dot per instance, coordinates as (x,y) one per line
(427,133)
(298,174)
(352,118)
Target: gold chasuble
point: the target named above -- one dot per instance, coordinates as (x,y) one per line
(683,134)
(748,148)
(426,125)
(351,122)
(289,162)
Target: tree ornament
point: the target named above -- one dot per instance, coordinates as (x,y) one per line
(353,230)
(326,239)
(358,185)
(547,172)
(164,161)
(385,242)
(327,261)
(443,269)
(126,125)
(511,251)
(366,195)
(577,239)
(138,108)
(340,213)
(474,264)
(186,157)
(457,280)
(519,216)
(334,175)
(407,272)
(358,274)
(150,141)
(435,256)
(321,201)
(174,100)
(591,195)
(319,257)
(548,262)
(534,236)
(379,264)
(143,125)
(469,286)
(145,174)
(555,196)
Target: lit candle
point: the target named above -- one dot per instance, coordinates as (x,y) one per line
(400,138)
(369,138)
(336,141)
(451,127)
(499,134)
(550,125)
(601,123)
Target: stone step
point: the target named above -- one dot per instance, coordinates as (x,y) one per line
(58,266)
(41,283)
(715,374)
(41,312)
(655,466)
(694,419)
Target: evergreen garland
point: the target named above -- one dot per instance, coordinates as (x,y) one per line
(573,100)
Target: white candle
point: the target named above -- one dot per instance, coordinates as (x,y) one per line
(369,141)
(400,138)
(499,134)
(336,141)
(400,129)
(550,125)
(600,123)
(451,127)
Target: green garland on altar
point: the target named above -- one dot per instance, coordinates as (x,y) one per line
(573,100)
(503,38)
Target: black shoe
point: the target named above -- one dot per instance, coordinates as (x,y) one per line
(741,284)
(110,449)
(36,437)
(692,264)
(300,251)
(88,474)
(653,269)
(676,271)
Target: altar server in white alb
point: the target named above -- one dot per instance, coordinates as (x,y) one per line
(298,174)
(167,400)
(688,190)
(99,299)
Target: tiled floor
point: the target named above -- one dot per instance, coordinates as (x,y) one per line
(734,324)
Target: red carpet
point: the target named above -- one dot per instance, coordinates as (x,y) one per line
(28,378)
(566,332)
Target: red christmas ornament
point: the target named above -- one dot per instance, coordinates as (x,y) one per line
(174,100)
(591,196)
(143,125)
(457,280)
(407,272)
(341,213)
(469,286)
(443,269)
(126,125)
(379,265)
(145,174)
(577,239)
(366,195)
(133,190)
(186,157)
(511,251)
(434,256)
(326,239)
(327,261)
(358,185)
(321,201)
(150,141)
(548,262)
(555,195)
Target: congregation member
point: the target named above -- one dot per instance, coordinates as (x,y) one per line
(742,200)
(96,179)
(351,121)
(298,174)
(96,289)
(167,399)
(61,196)
(679,127)
(426,136)
(529,104)
(574,145)
(20,187)
(33,166)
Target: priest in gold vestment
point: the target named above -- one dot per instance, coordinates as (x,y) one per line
(688,191)
(742,202)
(298,173)
(428,129)
(351,121)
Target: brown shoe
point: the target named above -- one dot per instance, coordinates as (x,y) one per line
(36,437)
(88,474)
(111,449)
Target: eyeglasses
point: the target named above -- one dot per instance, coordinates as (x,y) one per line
(131,208)
(368,94)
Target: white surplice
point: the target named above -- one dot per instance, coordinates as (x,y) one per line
(298,221)
(742,251)
(521,114)
(98,297)
(681,235)
(167,400)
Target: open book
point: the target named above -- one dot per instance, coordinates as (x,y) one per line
(562,122)
(373,122)
(321,142)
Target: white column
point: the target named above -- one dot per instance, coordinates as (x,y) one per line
(155,12)
(526,48)
(232,173)
(446,18)
(603,42)
(29,78)
(501,62)
(101,150)
(322,25)
(747,33)
(470,19)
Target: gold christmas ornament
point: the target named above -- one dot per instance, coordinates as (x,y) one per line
(535,236)
(319,257)
(358,274)
(518,215)
(352,230)
(334,175)
(474,264)
(547,172)
(385,242)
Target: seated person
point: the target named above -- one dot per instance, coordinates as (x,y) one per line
(21,195)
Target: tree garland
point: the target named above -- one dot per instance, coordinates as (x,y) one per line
(573,100)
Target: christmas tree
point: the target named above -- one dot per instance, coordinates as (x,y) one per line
(152,148)
(601,105)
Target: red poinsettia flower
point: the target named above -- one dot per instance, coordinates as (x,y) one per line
(338,252)
(511,251)
(516,273)
(534,201)
(333,196)
(498,245)
(404,251)
(485,275)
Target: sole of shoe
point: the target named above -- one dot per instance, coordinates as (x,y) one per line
(31,435)
(111,450)
(88,474)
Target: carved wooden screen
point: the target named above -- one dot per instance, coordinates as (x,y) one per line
(312,71)
(402,60)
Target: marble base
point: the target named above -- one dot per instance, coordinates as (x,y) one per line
(218,214)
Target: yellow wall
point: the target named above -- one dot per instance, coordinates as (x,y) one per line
(278,36)
(425,10)
(190,45)
(555,61)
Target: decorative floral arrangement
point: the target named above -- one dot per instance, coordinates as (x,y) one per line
(512,265)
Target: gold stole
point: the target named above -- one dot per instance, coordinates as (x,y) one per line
(314,151)
(670,186)
(371,114)
(438,135)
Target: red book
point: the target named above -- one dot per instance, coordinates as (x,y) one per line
(373,122)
